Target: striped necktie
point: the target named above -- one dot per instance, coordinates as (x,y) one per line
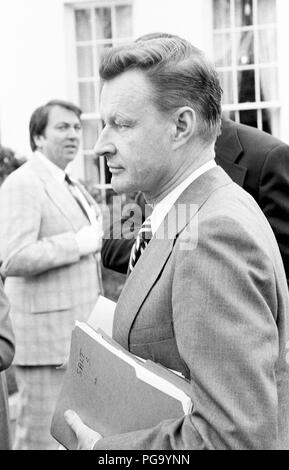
(142,240)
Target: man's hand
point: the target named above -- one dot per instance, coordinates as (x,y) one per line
(89,239)
(86,437)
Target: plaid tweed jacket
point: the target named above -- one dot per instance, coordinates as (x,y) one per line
(6,357)
(49,286)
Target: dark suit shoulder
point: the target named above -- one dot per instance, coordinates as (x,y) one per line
(259,142)
(246,145)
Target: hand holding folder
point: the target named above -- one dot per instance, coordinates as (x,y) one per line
(113,391)
(86,437)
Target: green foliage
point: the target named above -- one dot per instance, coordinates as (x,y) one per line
(8,162)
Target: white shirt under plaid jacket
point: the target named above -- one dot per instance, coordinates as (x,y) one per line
(49,286)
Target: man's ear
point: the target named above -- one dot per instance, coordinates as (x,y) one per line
(184,125)
(38,140)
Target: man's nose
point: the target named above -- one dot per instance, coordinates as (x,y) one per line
(104,147)
(73,133)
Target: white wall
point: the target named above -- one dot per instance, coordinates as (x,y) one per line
(187,18)
(32,57)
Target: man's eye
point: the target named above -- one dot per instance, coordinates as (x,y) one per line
(121,125)
(118,124)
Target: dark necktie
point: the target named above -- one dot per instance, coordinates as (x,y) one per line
(142,240)
(75,193)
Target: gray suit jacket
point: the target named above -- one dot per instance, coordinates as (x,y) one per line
(259,163)
(48,284)
(212,302)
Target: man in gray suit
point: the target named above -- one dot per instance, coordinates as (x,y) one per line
(255,160)
(50,237)
(207,295)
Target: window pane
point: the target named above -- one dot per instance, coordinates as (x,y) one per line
(123,21)
(90,133)
(244,12)
(100,50)
(266,121)
(87,97)
(266,11)
(267,46)
(222,50)
(271,121)
(245,48)
(221,10)
(226,79)
(269,84)
(83,25)
(103,23)
(249,117)
(84,61)
(246,86)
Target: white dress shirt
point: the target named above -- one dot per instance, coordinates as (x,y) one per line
(163,207)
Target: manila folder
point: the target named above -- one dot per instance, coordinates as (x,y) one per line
(113,391)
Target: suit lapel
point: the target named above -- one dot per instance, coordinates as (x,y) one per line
(228,150)
(155,256)
(138,285)
(58,193)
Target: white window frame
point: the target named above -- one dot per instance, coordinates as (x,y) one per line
(257,105)
(71,46)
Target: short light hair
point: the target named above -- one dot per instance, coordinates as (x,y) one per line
(39,118)
(179,73)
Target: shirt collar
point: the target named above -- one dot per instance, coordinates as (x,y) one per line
(56,172)
(163,207)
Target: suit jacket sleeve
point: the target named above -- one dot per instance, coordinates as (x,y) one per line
(23,252)
(274,197)
(115,254)
(6,333)
(223,316)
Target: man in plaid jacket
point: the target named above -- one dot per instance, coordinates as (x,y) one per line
(50,236)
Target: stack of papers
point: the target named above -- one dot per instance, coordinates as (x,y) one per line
(102,315)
